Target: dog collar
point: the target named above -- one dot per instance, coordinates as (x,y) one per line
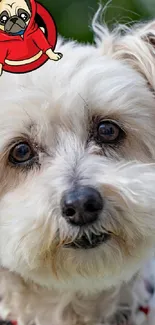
(144,310)
(21,32)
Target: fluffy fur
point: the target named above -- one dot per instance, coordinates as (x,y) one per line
(56,108)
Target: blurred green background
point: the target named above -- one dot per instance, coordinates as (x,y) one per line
(73,17)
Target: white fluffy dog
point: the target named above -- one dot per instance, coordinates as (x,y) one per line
(77,175)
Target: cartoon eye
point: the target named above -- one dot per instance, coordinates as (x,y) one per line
(3,19)
(4,16)
(23,16)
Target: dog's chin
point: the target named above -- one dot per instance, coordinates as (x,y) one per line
(89,241)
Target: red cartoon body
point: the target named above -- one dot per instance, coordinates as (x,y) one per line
(27,52)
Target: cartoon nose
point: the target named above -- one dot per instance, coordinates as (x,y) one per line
(14,20)
(82,205)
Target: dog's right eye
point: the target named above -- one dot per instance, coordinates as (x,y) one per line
(21,153)
(4,19)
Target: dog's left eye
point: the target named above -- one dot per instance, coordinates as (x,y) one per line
(21,153)
(108,132)
(23,16)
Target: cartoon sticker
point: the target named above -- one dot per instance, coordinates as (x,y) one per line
(28,36)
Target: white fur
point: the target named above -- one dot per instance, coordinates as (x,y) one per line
(53,107)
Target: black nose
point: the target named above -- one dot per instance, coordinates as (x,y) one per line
(82,205)
(14,20)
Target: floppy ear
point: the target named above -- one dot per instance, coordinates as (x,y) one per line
(135,45)
(137,48)
(28,4)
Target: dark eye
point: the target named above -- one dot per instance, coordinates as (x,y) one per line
(23,16)
(108,132)
(3,19)
(21,153)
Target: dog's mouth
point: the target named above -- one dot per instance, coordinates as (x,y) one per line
(89,242)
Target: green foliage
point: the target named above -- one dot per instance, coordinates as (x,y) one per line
(73,17)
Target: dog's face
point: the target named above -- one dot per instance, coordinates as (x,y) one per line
(14,16)
(77,207)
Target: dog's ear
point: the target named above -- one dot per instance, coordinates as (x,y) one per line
(29,5)
(137,48)
(135,45)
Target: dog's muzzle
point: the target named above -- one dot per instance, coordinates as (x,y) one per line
(15,26)
(93,241)
(82,207)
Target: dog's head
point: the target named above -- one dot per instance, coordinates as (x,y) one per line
(77,194)
(14,16)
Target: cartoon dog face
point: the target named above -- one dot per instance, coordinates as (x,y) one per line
(14,16)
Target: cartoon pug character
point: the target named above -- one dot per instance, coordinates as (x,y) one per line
(21,40)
